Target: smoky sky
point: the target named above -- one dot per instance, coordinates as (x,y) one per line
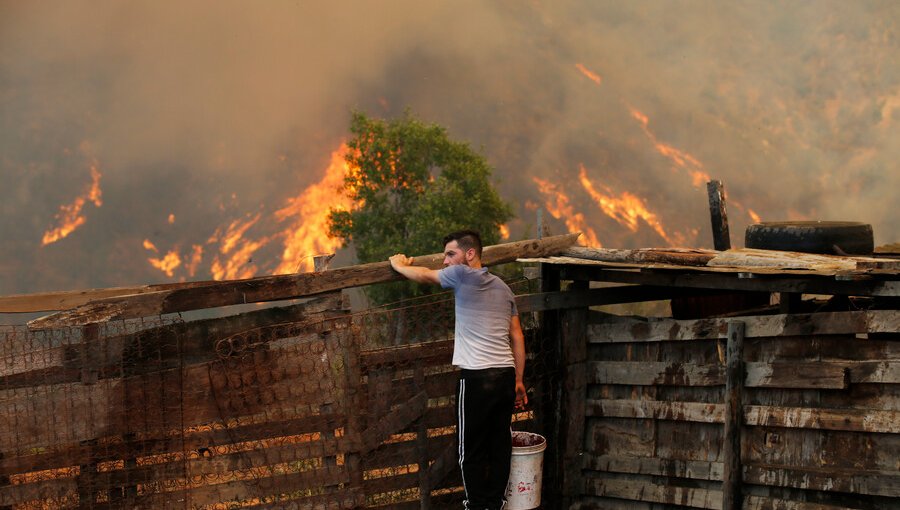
(213,111)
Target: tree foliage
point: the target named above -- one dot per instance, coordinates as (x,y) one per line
(411,184)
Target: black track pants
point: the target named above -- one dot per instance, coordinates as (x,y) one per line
(485,401)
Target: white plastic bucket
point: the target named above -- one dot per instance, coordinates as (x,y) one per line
(524,489)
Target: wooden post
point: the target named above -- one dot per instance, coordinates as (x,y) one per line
(573,348)
(546,395)
(734,417)
(721,236)
(422,447)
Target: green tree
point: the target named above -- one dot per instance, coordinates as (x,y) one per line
(412,185)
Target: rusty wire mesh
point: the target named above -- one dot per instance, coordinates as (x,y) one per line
(293,407)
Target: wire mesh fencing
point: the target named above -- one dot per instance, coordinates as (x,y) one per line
(304,406)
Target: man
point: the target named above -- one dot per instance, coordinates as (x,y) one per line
(489,348)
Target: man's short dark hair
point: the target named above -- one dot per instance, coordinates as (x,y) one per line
(466,239)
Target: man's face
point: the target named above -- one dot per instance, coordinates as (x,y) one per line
(454,255)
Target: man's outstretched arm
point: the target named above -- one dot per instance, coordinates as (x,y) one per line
(403,265)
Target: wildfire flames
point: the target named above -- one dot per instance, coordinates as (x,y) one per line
(627,209)
(307,217)
(594,77)
(559,206)
(69,215)
(302,225)
(681,159)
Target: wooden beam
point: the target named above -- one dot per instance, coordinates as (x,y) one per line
(718,215)
(734,394)
(677,256)
(276,288)
(829,323)
(855,420)
(813,284)
(656,409)
(67,299)
(793,375)
(646,490)
(573,346)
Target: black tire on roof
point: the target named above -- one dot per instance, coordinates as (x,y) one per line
(826,237)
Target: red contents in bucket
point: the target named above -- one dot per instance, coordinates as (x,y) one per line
(522,440)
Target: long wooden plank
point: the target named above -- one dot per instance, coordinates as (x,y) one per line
(859,420)
(645,490)
(857,481)
(67,299)
(874,321)
(725,278)
(883,483)
(275,288)
(699,470)
(658,410)
(764,503)
(678,256)
(799,375)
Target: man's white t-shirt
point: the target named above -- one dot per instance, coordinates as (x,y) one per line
(484,308)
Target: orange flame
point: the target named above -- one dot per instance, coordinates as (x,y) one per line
(238,263)
(69,215)
(306,216)
(755,217)
(504,231)
(627,209)
(307,232)
(558,206)
(167,264)
(681,159)
(594,77)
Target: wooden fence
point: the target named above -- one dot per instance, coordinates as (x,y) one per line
(789,411)
(299,407)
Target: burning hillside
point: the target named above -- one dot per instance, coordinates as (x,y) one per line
(218,146)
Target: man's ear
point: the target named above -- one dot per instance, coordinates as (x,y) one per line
(470,254)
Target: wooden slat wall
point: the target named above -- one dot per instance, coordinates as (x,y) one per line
(309,417)
(821,413)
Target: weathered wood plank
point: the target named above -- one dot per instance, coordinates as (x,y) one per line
(734,395)
(759,375)
(573,326)
(658,410)
(275,288)
(678,256)
(68,299)
(874,321)
(861,420)
(879,483)
(718,215)
(645,490)
(781,280)
(700,470)
(763,503)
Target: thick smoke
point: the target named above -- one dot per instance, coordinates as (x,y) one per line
(212,111)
